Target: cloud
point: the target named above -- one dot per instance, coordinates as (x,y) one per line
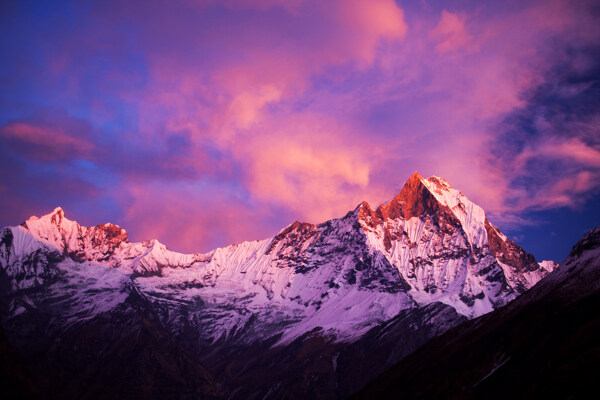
(49,137)
(35,187)
(307,166)
(269,67)
(299,109)
(291,6)
(553,148)
(193,217)
(366,23)
(245,106)
(549,148)
(451,32)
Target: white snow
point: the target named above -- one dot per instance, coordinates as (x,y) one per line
(470,215)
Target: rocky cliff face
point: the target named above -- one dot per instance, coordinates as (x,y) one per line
(336,281)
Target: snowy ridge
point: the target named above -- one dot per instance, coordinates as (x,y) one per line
(343,276)
(470,215)
(583,260)
(27,260)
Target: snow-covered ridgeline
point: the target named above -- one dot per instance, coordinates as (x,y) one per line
(346,274)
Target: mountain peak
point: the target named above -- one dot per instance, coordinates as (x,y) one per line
(96,243)
(439,182)
(415,177)
(412,201)
(435,196)
(56,217)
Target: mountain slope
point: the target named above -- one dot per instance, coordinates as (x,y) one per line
(429,258)
(120,354)
(544,344)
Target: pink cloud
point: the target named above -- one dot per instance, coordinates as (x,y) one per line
(191,219)
(306,166)
(568,191)
(245,106)
(451,32)
(571,149)
(366,23)
(577,178)
(320,36)
(297,159)
(63,138)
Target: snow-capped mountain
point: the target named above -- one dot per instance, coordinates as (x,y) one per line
(429,245)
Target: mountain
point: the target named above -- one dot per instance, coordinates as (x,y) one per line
(317,310)
(542,345)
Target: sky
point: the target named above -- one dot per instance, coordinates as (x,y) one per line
(204,123)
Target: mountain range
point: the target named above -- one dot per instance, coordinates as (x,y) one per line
(317,311)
